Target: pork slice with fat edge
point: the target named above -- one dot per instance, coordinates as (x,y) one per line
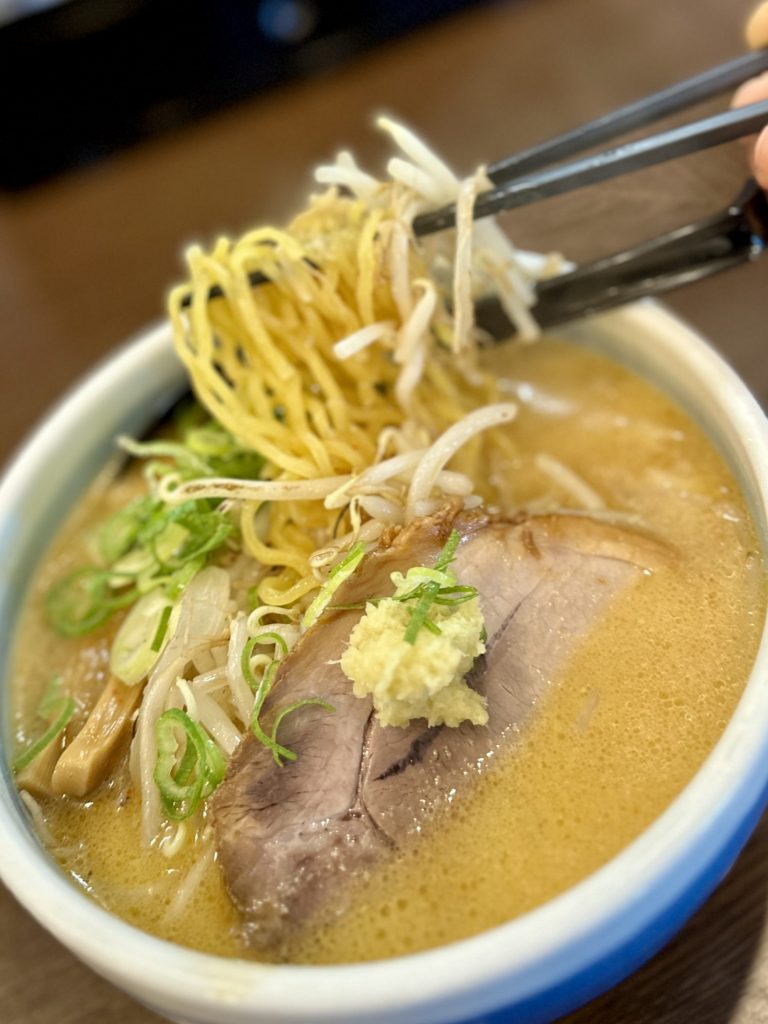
(287,836)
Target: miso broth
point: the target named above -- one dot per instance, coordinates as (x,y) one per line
(620,733)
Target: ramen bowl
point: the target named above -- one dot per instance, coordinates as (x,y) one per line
(532,969)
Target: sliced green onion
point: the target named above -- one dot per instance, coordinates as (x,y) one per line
(282,713)
(153,525)
(161,541)
(336,577)
(176,545)
(63,708)
(429,586)
(207,531)
(209,441)
(185,776)
(409,584)
(133,652)
(245,664)
(448,552)
(177,582)
(84,600)
(186,766)
(244,465)
(420,612)
(148,544)
(431,626)
(135,563)
(162,629)
(270,638)
(261,688)
(176,536)
(119,533)
(224,455)
(450,593)
(166,544)
(207,450)
(455,595)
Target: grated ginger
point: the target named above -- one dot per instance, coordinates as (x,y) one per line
(424,679)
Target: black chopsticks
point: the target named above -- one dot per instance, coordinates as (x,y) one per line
(528,177)
(713,82)
(589,170)
(680,257)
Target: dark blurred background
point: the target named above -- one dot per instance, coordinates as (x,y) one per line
(82,78)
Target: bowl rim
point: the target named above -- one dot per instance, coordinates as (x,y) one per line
(517,960)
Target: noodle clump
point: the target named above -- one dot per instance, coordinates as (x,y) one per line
(342,369)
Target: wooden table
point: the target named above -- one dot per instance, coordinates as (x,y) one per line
(84,261)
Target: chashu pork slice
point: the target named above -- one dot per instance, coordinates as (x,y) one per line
(288,836)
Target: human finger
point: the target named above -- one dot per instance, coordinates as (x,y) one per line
(760,159)
(753,91)
(757,27)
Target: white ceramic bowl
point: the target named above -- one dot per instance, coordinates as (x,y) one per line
(530,970)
